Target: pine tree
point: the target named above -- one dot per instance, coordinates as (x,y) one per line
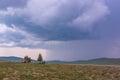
(40,59)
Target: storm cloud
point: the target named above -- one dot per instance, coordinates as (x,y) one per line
(59,13)
(77,29)
(12,3)
(62,20)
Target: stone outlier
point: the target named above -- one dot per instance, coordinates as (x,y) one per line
(27,59)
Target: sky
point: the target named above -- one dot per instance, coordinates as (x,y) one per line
(64,30)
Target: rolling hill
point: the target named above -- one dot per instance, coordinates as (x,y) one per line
(102,61)
(99,61)
(12,59)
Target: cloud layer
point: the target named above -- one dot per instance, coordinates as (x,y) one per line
(58,13)
(12,3)
(14,36)
(61,27)
(47,20)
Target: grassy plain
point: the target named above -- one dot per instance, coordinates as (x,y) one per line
(35,71)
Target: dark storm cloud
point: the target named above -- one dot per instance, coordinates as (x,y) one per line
(12,3)
(67,29)
(53,20)
(62,34)
(110,29)
(56,14)
(56,20)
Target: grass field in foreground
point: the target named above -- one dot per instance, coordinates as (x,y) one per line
(34,71)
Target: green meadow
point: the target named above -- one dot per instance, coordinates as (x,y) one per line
(35,71)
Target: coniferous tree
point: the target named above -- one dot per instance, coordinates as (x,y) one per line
(40,59)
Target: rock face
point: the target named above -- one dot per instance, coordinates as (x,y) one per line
(27,59)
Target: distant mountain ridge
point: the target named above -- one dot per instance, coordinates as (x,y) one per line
(102,61)
(12,59)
